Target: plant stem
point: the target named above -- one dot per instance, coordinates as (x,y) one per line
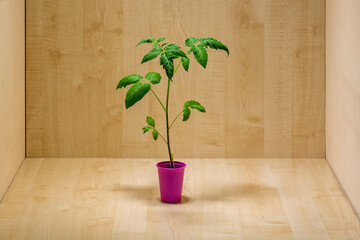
(176,118)
(162,105)
(158,99)
(181,111)
(163,138)
(167,118)
(177,68)
(160,135)
(167,124)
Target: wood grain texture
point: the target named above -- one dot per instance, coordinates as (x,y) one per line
(222,199)
(343,95)
(12,90)
(267,99)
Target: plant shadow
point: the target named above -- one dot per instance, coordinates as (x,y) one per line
(145,192)
(235,192)
(184,199)
(231,192)
(135,192)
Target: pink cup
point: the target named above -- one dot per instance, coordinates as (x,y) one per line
(171,181)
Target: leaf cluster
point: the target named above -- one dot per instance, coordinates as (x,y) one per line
(199,50)
(191,104)
(169,52)
(139,87)
(151,125)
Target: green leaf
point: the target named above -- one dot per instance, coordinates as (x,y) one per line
(168,65)
(191,104)
(146,40)
(185,62)
(172,46)
(186,114)
(151,55)
(129,80)
(136,93)
(213,43)
(200,54)
(161,39)
(191,41)
(153,77)
(164,44)
(155,134)
(150,121)
(145,129)
(174,53)
(194,105)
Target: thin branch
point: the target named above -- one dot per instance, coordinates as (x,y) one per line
(162,137)
(177,68)
(159,134)
(176,118)
(162,105)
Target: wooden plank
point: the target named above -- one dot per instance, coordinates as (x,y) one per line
(343,95)
(12,90)
(266,99)
(34,81)
(308,79)
(222,199)
(22,184)
(259,200)
(277,94)
(245,91)
(298,201)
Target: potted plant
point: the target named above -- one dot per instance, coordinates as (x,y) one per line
(171,173)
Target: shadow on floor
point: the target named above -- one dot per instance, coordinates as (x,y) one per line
(184,199)
(141,193)
(205,193)
(136,192)
(236,192)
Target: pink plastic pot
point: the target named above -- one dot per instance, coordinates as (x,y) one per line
(171,181)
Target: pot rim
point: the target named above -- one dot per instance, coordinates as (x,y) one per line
(163,165)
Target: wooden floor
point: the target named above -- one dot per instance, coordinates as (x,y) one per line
(222,199)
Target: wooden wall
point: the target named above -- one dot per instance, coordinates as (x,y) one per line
(12,90)
(343,95)
(267,99)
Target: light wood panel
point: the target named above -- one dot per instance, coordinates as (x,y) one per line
(343,95)
(222,199)
(12,90)
(266,99)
